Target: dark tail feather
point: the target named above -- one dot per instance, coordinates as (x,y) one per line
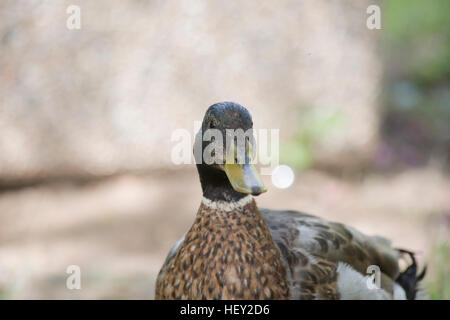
(409,279)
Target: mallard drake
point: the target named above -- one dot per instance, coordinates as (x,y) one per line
(236,251)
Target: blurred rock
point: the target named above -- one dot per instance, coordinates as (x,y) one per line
(107,97)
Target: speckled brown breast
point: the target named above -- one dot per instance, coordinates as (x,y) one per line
(225,255)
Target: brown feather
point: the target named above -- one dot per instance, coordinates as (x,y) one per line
(225,255)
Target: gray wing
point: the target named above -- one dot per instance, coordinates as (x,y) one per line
(312,248)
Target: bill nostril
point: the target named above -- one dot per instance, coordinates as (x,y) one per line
(256,191)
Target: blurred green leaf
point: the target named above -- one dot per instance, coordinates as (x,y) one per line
(439,284)
(419,31)
(316,125)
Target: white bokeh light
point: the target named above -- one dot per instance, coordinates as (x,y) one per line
(282,176)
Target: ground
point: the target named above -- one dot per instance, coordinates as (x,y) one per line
(119,229)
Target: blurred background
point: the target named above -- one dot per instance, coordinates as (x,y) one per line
(86,118)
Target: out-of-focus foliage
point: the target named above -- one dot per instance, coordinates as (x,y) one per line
(316,125)
(417,72)
(416,98)
(419,31)
(439,284)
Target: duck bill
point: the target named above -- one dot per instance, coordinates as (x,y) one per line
(244,178)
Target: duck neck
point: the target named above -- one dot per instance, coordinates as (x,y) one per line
(216,186)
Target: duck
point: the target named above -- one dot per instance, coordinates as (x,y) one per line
(235,250)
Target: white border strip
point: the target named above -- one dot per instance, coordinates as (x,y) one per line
(227,205)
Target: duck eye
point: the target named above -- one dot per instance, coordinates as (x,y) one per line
(212,125)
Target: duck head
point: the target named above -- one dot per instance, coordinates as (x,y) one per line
(223,150)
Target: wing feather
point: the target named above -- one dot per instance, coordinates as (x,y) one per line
(306,241)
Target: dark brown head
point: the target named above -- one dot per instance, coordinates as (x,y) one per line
(223,152)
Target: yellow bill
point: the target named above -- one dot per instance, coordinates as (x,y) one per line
(244,177)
